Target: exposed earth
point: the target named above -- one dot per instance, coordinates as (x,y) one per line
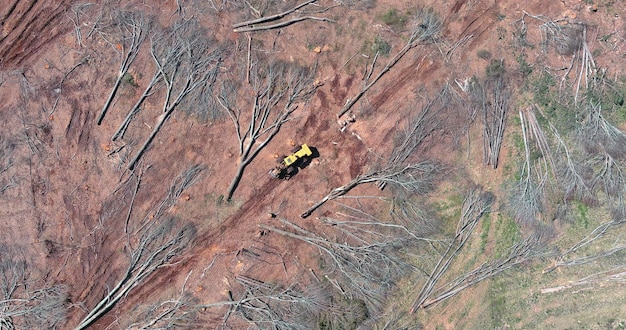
(75,213)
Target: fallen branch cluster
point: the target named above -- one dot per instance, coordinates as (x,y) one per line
(518,253)
(567,38)
(191,63)
(269,22)
(271,306)
(427,26)
(415,178)
(132,28)
(418,128)
(7,150)
(492,98)
(399,170)
(181,183)
(527,199)
(599,136)
(477,202)
(157,245)
(596,234)
(172,313)
(616,274)
(26,302)
(363,270)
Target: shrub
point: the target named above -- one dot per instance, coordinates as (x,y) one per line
(393,19)
(381,46)
(484,54)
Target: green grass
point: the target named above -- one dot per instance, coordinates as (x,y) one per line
(484,54)
(582,218)
(484,234)
(129,80)
(381,46)
(507,233)
(394,19)
(450,210)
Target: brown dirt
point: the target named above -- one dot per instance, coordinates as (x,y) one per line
(67,207)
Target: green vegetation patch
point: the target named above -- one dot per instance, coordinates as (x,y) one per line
(129,80)
(381,46)
(543,87)
(507,233)
(394,19)
(484,231)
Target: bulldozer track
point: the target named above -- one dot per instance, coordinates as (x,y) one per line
(204,249)
(27,26)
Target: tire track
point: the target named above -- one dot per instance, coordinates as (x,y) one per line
(204,249)
(27,27)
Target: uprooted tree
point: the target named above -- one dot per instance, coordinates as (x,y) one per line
(130,28)
(157,244)
(400,169)
(193,62)
(26,301)
(277,89)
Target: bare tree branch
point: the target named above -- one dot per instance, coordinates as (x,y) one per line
(133,26)
(492,98)
(157,245)
(172,313)
(477,202)
(399,170)
(366,269)
(277,87)
(197,65)
(416,178)
(272,17)
(25,303)
(426,26)
(518,253)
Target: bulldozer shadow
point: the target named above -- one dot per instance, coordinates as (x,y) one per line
(302,163)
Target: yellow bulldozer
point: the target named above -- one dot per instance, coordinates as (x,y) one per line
(288,165)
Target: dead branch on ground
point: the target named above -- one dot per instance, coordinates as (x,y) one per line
(273,306)
(526,202)
(477,202)
(197,65)
(415,178)
(277,88)
(366,269)
(25,302)
(161,49)
(614,274)
(573,173)
(419,126)
(259,23)
(595,235)
(180,311)
(518,253)
(157,245)
(399,171)
(492,97)
(133,27)
(283,24)
(426,27)
(181,183)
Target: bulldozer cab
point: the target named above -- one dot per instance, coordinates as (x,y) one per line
(304,151)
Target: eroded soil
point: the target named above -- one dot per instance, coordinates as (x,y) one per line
(67,205)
